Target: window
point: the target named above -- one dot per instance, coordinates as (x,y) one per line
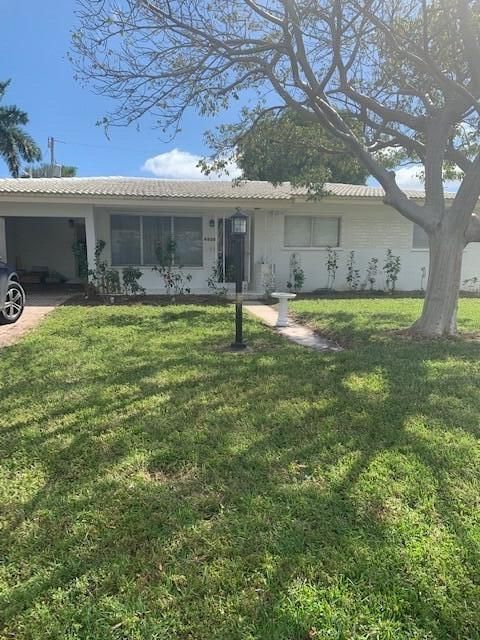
(136,239)
(311,231)
(298,231)
(188,236)
(420,237)
(125,240)
(156,233)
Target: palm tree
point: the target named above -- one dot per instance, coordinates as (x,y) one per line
(15,144)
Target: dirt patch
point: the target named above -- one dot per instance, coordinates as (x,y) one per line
(148,300)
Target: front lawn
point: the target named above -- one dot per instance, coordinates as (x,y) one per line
(153,486)
(356,321)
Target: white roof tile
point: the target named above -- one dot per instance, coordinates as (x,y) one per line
(153,188)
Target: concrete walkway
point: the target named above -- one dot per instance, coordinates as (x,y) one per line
(298,333)
(37,307)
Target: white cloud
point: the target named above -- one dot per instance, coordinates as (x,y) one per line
(408,178)
(182,165)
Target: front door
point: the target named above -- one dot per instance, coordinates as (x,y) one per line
(226,251)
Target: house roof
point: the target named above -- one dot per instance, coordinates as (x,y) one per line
(155,188)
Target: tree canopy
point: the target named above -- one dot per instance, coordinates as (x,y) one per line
(284,147)
(406,72)
(15,143)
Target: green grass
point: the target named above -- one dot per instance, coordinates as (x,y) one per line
(358,321)
(153,486)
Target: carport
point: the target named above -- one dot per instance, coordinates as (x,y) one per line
(41,248)
(37,232)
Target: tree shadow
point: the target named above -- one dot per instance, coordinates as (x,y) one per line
(270,493)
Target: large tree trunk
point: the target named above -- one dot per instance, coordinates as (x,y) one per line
(439,316)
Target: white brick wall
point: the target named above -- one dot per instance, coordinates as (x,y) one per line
(369,229)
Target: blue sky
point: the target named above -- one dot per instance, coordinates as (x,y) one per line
(36,36)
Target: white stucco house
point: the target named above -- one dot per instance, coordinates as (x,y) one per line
(40,219)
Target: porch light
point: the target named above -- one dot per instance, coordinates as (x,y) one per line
(239,223)
(239,231)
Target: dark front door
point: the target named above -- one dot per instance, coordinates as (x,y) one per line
(226,251)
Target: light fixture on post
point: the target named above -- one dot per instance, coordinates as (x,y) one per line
(239,231)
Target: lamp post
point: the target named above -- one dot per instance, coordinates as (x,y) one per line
(239,231)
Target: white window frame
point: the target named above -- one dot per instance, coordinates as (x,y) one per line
(311,247)
(143,215)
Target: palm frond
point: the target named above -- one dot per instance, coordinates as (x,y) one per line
(13,116)
(15,143)
(3,87)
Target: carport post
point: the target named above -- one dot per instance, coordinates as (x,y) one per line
(90,239)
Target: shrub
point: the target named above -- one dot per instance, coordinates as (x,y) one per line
(332,266)
(215,282)
(297,275)
(353,274)
(174,279)
(372,270)
(130,278)
(104,279)
(391,269)
(471,284)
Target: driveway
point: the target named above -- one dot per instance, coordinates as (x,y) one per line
(38,306)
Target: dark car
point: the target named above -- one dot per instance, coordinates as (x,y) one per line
(12,295)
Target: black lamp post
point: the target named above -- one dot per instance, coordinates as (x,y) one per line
(239,231)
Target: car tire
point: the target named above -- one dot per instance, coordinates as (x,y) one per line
(14,304)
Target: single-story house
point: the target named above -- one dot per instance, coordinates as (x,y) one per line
(41,218)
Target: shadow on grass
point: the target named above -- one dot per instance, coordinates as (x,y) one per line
(157,487)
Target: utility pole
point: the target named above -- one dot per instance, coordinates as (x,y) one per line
(51,146)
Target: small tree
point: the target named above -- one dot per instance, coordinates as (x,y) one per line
(104,279)
(297,275)
(332,266)
(130,281)
(372,270)
(353,274)
(174,279)
(471,284)
(391,269)
(215,281)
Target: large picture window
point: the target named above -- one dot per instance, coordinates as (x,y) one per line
(137,239)
(311,231)
(420,237)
